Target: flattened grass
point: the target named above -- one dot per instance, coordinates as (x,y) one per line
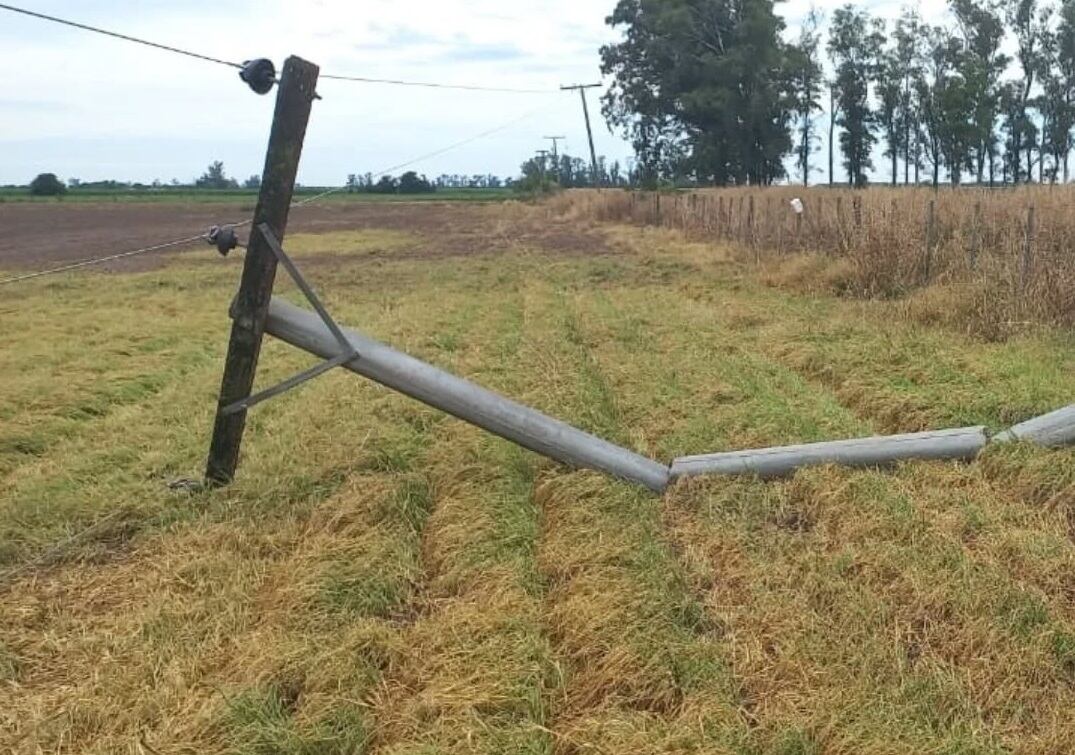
(385,579)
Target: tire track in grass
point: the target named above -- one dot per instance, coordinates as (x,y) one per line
(279,591)
(689,386)
(477,669)
(864,609)
(65,371)
(901,376)
(358,585)
(635,648)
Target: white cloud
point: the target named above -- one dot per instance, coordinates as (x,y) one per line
(88,106)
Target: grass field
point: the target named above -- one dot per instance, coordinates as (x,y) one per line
(384,579)
(1001,258)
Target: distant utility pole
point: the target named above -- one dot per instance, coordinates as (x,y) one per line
(544,154)
(589,131)
(555,144)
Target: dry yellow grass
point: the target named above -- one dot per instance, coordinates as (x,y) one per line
(384,579)
(987,266)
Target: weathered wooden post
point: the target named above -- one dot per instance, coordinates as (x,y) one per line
(840,222)
(931,216)
(816,221)
(976,237)
(657,207)
(294,100)
(721,225)
(1028,251)
(781,222)
(769,221)
(751,237)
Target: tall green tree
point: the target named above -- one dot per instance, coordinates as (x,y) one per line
(981,65)
(955,102)
(908,55)
(888,73)
(807,85)
(215,178)
(854,45)
(1064,63)
(1057,101)
(1028,22)
(701,87)
(929,89)
(834,116)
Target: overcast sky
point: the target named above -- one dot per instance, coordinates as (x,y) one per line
(90,107)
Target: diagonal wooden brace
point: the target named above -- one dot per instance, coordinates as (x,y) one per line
(347,354)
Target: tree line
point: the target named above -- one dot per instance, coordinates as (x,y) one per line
(711,91)
(413,183)
(215,177)
(546,171)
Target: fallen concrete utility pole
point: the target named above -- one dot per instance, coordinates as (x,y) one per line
(462,399)
(1054,430)
(962,444)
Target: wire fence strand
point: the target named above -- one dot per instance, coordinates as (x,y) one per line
(101,260)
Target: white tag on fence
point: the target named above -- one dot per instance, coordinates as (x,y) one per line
(798,206)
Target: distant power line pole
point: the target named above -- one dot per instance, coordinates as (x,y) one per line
(544,153)
(555,144)
(589,131)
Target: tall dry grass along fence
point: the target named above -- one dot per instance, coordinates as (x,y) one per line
(993,261)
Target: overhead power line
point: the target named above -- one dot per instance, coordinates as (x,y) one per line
(435,153)
(199,56)
(434,85)
(117,35)
(302,203)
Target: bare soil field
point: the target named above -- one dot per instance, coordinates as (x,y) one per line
(384,579)
(38,235)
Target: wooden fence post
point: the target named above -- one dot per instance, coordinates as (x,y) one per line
(742,232)
(931,217)
(294,100)
(657,208)
(976,237)
(816,221)
(721,225)
(750,223)
(1028,250)
(840,221)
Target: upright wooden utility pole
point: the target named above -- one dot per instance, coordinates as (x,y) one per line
(543,154)
(294,100)
(556,145)
(589,130)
